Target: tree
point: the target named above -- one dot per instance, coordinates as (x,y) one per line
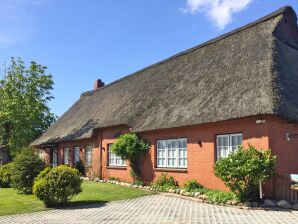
(24,96)
(243,170)
(130,147)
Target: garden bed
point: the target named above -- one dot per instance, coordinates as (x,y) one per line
(210,196)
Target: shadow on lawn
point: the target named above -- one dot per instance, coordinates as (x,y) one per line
(81,204)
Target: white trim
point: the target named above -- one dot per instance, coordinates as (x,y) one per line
(118,161)
(172,150)
(89,151)
(230,149)
(64,157)
(76,154)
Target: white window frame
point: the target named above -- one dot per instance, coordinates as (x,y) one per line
(118,161)
(76,154)
(230,150)
(88,155)
(66,158)
(54,158)
(173,151)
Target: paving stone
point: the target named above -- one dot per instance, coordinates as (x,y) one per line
(154,209)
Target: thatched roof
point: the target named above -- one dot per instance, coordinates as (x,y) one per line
(250,71)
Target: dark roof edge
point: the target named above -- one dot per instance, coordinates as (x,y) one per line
(212,41)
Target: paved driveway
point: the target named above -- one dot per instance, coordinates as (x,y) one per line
(156,209)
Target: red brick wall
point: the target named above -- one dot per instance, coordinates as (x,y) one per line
(109,137)
(94,169)
(286,151)
(201,159)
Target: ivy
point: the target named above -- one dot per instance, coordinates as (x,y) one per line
(130,147)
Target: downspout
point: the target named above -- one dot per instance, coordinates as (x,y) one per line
(100,156)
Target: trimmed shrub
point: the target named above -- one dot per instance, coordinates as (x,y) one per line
(164,182)
(43,174)
(192,185)
(26,166)
(243,170)
(5,175)
(58,185)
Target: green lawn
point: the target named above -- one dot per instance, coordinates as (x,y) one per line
(14,203)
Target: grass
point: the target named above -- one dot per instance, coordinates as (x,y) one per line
(13,203)
(93,193)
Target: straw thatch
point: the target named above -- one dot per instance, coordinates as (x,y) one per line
(250,71)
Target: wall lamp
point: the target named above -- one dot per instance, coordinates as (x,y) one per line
(200,143)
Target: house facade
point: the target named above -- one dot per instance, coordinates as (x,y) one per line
(194,108)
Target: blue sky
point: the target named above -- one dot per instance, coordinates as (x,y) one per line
(83,40)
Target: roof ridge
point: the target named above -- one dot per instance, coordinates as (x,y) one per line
(199,46)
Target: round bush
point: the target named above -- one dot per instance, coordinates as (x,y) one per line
(58,185)
(26,166)
(5,175)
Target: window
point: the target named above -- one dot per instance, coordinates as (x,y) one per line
(89,155)
(40,154)
(227,144)
(172,153)
(66,156)
(114,160)
(54,158)
(76,157)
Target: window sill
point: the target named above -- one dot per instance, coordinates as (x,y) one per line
(117,167)
(174,170)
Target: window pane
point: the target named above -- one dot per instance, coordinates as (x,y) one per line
(169,144)
(66,158)
(227,144)
(226,141)
(220,141)
(88,155)
(161,153)
(115,160)
(236,140)
(184,143)
(76,154)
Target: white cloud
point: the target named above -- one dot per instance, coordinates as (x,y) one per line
(218,11)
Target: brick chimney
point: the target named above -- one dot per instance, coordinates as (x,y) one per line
(98,84)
